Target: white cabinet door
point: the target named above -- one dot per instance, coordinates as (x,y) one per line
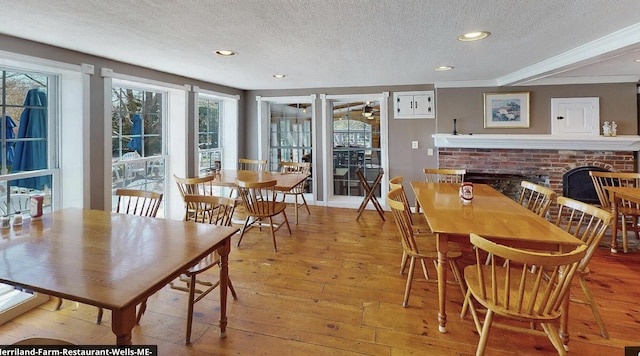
(414,105)
(404,105)
(575,116)
(423,105)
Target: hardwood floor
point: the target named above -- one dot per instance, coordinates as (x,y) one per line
(334,287)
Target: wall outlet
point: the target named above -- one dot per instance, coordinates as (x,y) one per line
(414,145)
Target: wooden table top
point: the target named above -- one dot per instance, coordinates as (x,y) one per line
(103,259)
(286,181)
(627,193)
(490,214)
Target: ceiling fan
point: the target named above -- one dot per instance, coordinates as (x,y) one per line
(369,111)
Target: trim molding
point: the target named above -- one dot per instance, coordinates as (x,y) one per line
(540,142)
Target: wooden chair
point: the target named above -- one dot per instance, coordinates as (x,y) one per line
(516,291)
(245,164)
(396,182)
(298,190)
(259,200)
(208,209)
(421,250)
(138,202)
(629,212)
(589,224)
(444,175)
(196,186)
(133,202)
(536,198)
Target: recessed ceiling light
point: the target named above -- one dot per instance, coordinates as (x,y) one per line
(473,36)
(225,53)
(637,60)
(279,75)
(443,68)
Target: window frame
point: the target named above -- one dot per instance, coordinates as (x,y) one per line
(228,127)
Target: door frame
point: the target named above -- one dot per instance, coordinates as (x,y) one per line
(328,198)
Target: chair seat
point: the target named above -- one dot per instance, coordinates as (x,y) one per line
(629,211)
(428,247)
(422,229)
(266,209)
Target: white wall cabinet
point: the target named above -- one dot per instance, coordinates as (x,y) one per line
(575,116)
(414,105)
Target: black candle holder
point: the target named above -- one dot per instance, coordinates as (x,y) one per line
(455,131)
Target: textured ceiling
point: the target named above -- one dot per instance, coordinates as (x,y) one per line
(341,43)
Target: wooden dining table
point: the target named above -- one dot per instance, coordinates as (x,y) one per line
(616,194)
(491,215)
(285,181)
(109,260)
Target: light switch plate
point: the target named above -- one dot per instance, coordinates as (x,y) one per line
(414,145)
(429,151)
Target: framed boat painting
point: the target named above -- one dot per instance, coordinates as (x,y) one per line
(506,110)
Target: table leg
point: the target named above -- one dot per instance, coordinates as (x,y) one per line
(563,332)
(121,324)
(614,225)
(224,284)
(442,281)
(564,322)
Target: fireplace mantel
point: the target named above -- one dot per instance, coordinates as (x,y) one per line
(539,142)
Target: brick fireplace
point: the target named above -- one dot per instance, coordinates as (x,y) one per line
(533,163)
(540,158)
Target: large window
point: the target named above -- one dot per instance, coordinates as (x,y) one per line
(28,158)
(138,146)
(27,144)
(209,132)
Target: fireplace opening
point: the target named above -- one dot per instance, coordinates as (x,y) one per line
(577,184)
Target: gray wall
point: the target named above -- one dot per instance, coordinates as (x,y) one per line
(617,103)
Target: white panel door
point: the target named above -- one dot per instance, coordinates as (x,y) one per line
(404,105)
(575,116)
(423,105)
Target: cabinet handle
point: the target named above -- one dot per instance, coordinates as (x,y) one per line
(411,104)
(416,104)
